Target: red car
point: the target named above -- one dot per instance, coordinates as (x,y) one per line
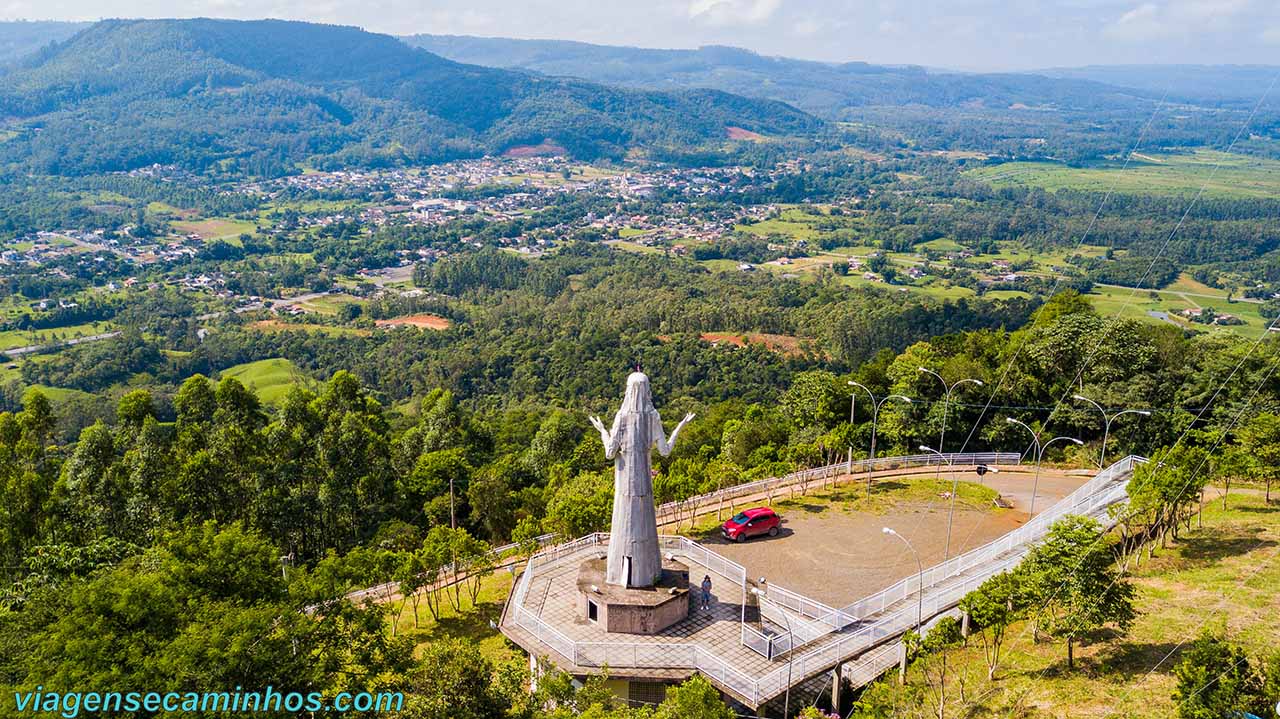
(751,523)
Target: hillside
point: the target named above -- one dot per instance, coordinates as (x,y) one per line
(828,89)
(262,95)
(1200,83)
(23,37)
(1219,577)
(1074,115)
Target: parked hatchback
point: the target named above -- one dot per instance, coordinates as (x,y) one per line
(751,523)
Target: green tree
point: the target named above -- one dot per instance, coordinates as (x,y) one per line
(453,680)
(580,506)
(1072,578)
(1216,680)
(992,607)
(696,698)
(814,399)
(1261,438)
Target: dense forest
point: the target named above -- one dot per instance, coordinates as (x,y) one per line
(189,499)
(266,95)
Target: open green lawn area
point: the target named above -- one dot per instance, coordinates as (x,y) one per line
(329,304)
(10,339)
(271,378)
(721,265)
(1126,302)
(795,223)
(1006,294)
(1155,173)
(62,394)
(1223,574)
(853,497)
(10,371)
(470,624)
(217,228)
(635,247)
(942,244)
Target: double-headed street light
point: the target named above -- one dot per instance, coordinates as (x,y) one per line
(791,647)
(946,401)
(920,581)
(1039,450)
(1106,424)
(875,410)
(955,485)
(875,418)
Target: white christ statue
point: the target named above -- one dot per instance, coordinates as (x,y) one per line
(634,557)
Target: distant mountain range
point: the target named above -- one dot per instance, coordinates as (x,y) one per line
(1198,83)
(827,89)
(259,95)
(24,37)
(262,96)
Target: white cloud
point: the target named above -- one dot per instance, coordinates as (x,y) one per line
(724,13)
(1182,18)
(890,27)
(971,34)
(806,27)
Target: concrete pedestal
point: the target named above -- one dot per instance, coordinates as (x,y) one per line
(623,610)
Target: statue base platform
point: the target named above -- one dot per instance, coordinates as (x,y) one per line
(633,610)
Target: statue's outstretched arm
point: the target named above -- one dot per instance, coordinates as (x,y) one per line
(610,439)
(665,444)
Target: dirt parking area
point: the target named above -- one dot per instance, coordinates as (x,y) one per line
(835,554)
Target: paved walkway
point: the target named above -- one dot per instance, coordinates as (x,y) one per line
(546,622)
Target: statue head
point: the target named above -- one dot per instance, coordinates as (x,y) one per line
(638,398)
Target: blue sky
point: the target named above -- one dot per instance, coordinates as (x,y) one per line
(963,34)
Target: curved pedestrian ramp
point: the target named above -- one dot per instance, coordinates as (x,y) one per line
(785,640)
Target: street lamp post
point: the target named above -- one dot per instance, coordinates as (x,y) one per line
(875,419)
(955,485)
(791,642)
(946,401)
(1106,424)
(1039,450)
(920,581)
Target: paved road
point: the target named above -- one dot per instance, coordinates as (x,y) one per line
(18,351)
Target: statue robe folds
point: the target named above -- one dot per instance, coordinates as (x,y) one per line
(635,559)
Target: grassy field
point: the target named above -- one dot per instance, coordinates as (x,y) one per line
(1224,574)
(217,228)
(271,378)
(329,304)
(470,624)
(1221,174)
(1126,302)
(852,497)
(10,339)
(794,222)
(62,394)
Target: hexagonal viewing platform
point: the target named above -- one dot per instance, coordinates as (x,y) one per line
(547,615)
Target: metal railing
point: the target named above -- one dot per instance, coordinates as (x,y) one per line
(673,510)
(948,581)
(942,585)
(676,655)
(498,553)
